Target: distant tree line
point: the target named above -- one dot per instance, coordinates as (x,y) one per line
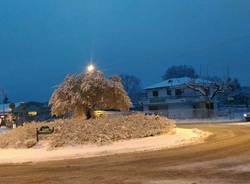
(179,71)
(133,86)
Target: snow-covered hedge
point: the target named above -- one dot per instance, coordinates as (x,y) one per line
(94,131)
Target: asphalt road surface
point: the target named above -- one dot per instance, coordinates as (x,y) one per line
(223,158)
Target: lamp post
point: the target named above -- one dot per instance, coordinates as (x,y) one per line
(90,68)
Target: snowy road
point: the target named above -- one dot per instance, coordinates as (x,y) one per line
(222,159)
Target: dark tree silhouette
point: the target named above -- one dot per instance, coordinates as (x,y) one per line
(233,84)
(180,71)
(12,107)
(132,85)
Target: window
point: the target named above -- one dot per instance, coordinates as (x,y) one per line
(153,108)
(163,107)
(178,92)
(169,91)
(155,93)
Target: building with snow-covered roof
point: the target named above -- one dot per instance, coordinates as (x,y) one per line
(175,99)
(177,82)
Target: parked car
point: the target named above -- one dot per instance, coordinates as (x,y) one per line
(247,116)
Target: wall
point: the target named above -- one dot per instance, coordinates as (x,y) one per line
(163,92)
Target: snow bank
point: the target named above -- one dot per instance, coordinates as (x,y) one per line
(94,131)
(4,130)
(39,153)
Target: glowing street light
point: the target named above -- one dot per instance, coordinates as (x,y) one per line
(90,68)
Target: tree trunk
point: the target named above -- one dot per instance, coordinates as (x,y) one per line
(88,113)
(210,109)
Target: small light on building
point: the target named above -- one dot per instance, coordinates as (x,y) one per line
(32,113)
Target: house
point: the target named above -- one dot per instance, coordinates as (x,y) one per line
(5,108)
(23,112)
(174,98)
(33,111)
(6,114)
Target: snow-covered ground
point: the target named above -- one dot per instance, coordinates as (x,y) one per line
(3,130)
(212,120)
(40,153)
(240,123)
(234,117)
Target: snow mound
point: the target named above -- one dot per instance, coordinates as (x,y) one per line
(95,131)
(40,153)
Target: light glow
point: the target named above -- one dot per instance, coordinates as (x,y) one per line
(90,68)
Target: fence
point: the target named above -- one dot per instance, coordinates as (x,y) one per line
(229,113)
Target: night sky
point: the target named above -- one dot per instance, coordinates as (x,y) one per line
(43,40)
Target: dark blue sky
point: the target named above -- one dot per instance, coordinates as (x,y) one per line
(42,41)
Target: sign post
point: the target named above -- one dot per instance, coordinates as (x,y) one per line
(43,131)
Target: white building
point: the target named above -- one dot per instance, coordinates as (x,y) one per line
(175,99)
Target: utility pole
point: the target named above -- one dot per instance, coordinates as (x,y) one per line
(228,72)
(207,70)
(3,96)
(4,100)
(200,71)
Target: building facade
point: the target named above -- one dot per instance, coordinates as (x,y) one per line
(175,99)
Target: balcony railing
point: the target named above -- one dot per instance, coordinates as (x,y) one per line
(157,99)
(174,99)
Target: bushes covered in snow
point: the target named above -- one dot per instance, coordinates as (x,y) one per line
(93,131)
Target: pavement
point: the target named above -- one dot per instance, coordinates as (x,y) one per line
(223,159)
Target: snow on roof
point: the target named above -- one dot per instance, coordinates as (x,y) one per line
(177,82)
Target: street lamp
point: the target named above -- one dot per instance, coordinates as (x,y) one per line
(90,68)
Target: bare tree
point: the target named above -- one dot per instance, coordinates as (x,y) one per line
(12,107)
(208,90)
(233,84)
(83,93)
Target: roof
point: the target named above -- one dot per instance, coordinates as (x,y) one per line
(32,106)
(177,82)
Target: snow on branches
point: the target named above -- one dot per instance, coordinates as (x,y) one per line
(83,93)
